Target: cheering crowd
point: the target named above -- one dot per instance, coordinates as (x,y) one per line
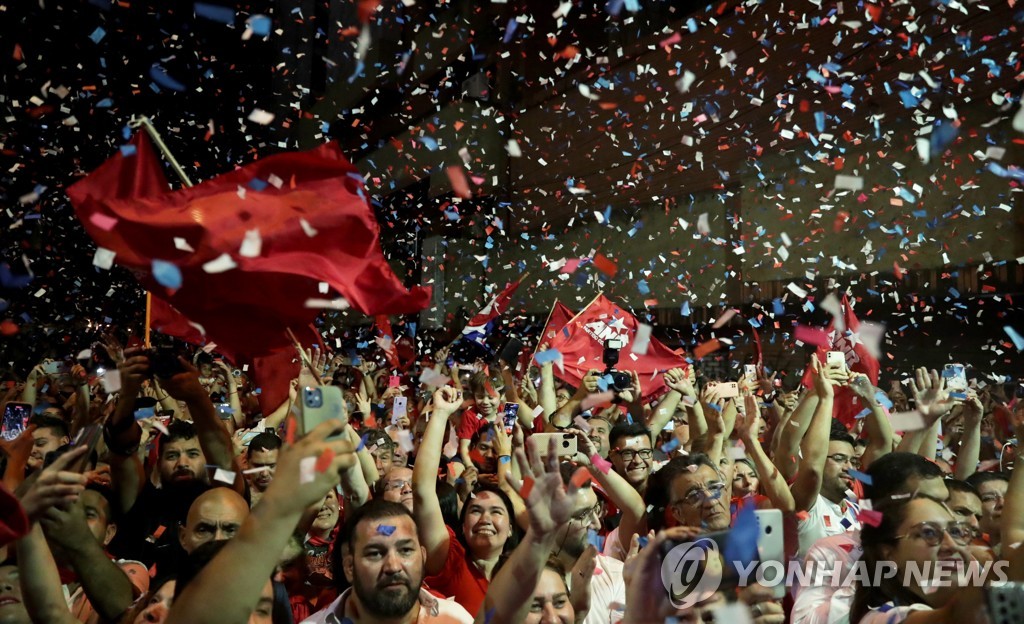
(149,487)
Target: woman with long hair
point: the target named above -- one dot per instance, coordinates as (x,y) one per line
(918,537)
(460,563)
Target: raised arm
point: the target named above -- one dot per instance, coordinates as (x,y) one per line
(876,423)
(1012,523)
(235,577)
(814,447)
(970,446)
(429,522)
(775,487)
(793,433)
(546,394)
(622,494)
(563,417)
(108,588)
(678,387)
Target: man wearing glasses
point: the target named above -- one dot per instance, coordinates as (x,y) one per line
(631,453)
(698,495)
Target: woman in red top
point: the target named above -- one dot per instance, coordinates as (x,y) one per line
(460,566)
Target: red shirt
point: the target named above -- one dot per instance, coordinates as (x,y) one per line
(472,422)
(459,578)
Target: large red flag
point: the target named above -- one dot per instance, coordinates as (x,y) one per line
(581,342)
(858,360)
(251,246)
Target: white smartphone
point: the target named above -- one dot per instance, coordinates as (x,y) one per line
(750,372)
(320,404)
(771,547)
(565,443)
(835,359)
(728,390)
(956,377)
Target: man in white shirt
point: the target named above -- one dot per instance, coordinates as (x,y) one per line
(383,560)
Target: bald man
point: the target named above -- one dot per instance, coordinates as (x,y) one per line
(215,515)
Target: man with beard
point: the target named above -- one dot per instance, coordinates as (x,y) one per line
(155,508)
(261,456)
(606,585)
(383,560)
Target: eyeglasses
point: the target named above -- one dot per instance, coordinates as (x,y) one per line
(397,485)
(839,458)
(713,491)
(629,455)
(961,533)
(586,514)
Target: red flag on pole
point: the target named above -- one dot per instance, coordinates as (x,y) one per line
(858,359)
(557,319)
(581,343)
(476,328)
(251,246)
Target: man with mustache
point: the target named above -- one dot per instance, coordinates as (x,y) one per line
(187,456)
(382,558)
(262,456)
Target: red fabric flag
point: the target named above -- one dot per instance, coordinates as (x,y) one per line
(168,321)
(476,328)
(557,319)
(304,219)
(581,343)
(858,360)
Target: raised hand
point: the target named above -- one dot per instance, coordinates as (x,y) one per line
(680,381)
(930,394)
(447,400)
(55,485)
(363,403)
(308,469)
(548,503)
(861,386)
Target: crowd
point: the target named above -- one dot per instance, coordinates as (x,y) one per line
(490,491)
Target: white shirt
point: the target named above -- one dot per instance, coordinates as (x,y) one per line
(433,610)
(891,614)
(826,518)
(607,592)
(823,600)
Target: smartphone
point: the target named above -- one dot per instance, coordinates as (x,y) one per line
(88,437)
(163,362)
(728,390)
(509,353)
(15,420)
(565,443)
(320,404)
(55,368)
(750,372)
(770,547)
(511,415)
(835,359)
(1006,603)
(956,377)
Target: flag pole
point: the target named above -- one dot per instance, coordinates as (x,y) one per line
(551,313)
(143,121)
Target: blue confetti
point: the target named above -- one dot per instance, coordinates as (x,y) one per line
(145,412)
(385,529)
(127,150)
(214,12)
(1018,340)
(259,24)
(430,143)
(550,355)
(98,34)
(161,77)
(670,446)
(863,477)
(166,274)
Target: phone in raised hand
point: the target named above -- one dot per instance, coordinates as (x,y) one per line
(320,404)
(510,417)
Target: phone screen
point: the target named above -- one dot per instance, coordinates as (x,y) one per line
(511,413)
(15,419)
